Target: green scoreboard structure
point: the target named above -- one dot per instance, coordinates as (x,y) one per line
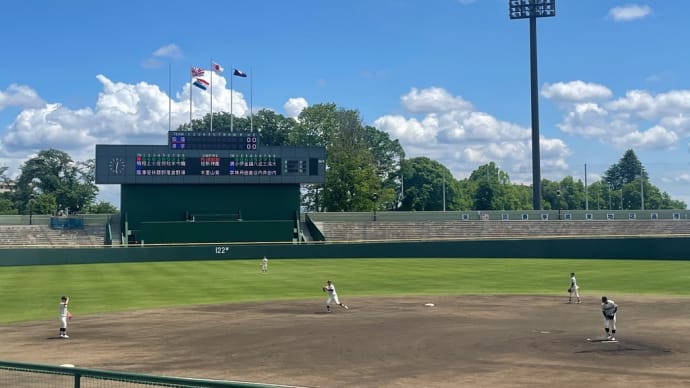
(209,187)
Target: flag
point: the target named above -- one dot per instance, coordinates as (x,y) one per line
(239,73)
(201,84)
(217,67)
(197,72)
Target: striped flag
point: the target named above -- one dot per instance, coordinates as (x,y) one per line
(197,72)
(201,84)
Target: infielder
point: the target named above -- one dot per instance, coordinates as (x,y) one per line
(64,316)
(609,309)
(573,289)
(264,264)
(332,296)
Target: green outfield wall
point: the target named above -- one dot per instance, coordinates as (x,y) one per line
(623,248)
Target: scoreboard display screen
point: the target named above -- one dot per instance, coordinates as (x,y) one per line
(185,140)
(236,159)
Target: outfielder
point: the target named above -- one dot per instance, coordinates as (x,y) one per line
(64,316)
(264,264)
(573,289)
(609,309)
(332,296)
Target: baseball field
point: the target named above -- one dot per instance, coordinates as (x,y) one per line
(494,323)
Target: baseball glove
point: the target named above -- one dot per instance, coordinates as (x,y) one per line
(324,289)
(570,290)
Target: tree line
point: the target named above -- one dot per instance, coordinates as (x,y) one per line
(366,170)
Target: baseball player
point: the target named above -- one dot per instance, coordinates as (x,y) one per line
(609,309)
(64,316)
(264,264)
(332,296)
(573,289)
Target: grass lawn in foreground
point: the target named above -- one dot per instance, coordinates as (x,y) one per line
(33,292)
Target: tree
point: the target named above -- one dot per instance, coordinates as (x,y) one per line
(388,155)
(53,174)
(275,128)
(492,189)
(351,177)
(221,122)
(424,182)
(317,126)
(102,207)
(628,182)
(6,204)
(625,171)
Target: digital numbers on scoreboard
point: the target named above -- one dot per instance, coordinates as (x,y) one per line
(295,166)
(186,140)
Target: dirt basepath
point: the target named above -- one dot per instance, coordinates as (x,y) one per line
(483,341)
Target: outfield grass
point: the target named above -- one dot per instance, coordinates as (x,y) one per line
(31,293)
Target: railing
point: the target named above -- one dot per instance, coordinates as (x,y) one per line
(507,215)
(18,375)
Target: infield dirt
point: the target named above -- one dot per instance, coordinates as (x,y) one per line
(472,341)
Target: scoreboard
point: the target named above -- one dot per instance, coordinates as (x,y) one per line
(209,158)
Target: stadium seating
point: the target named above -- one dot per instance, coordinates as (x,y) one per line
(43,235)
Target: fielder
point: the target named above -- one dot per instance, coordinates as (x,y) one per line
(609,309)
(264,264)
(64,316)
(573,289)
(332,296)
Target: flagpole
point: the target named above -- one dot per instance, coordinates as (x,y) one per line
(251,100)
(169,96)
(191,79)
(212,70)
(232,75)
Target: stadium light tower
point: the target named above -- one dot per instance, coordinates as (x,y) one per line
(533,9)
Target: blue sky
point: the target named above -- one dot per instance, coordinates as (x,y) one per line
(448,78)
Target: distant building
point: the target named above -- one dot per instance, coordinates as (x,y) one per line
(8,186)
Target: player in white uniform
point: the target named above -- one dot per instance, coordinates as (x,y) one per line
(332,296)
(609,309)
(64,313)
(264,264)
(573,289)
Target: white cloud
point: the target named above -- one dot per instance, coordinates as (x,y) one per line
(408,130)
(575,91)
(586,119)
(169,51)
(462,138)
(618,121)
(656,137)
(20,96)
(294,106)
(629,12)
(433,100)
(679,178)
(649,107)
(122,114)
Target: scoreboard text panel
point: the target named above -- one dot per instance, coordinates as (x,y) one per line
(188,164)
